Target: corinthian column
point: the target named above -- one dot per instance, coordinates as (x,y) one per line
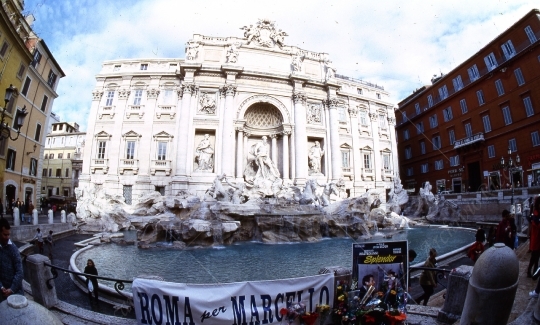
(333,115)
(274,147)
(227,154)
(300,138)
(357,161)
(286,154)
(185,92)
(240,152)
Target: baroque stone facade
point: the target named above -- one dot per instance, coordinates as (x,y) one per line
(252,108)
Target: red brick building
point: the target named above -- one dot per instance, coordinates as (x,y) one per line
(454,132)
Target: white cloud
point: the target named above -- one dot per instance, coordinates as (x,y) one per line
(397,44)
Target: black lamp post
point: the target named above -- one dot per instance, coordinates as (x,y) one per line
(5,129)
(510,167)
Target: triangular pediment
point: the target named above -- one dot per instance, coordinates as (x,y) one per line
(102,135)
(131,134)
(163,134)
(346,146)
(367,148)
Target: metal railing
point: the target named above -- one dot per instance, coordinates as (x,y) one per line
(118,283)
(440,274)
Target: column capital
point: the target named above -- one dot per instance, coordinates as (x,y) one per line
(124,93)
(187,88)
(239,128)
(152,93)
(332,102)
(274,136)
(228,90)
(299,97)
(353,111)
(391,121)
(373,116)
(96,94)
(286,133)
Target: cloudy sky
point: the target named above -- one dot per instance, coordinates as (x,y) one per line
(397,44)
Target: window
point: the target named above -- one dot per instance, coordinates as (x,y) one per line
(33,167)
(406,134)
(168,96)
(499,86)
(51,79)
(451,136)
(443,92)
(44,103)
(378,96)
(363,118)
(458,83)
(4,48)
(60,155)
(110,97)
(144,66)
(403,117)
(130,149)
(491,62)
(535,139)
(506,115)
(422,147)
(463,104)
(417,108)
(480,96)
(491,151)
(68,155)
(359,91)
(487,123)
(10,161)
(67,172)
(420,128)
(408,153)
(66,191)
(436,142)
(439,164)
(37,59)
(430,100)
(473,73)
(345,159)
(512,144)
(26,86)
(44,172)
(454,161)
(386,162)
(58,172)
(138,97)
(424,168)
(530,34)
(382,121)
(433,121)
(468,130)
(447,113)
(51,156)
(37,135)
(101,150)
(367,161)
(20,73)
(162,150)
(508,49)
(410,171)
(50,172)
(528,106)
(117,67)
(519,77)
(341,111)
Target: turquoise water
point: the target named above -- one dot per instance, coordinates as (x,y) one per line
(254,261)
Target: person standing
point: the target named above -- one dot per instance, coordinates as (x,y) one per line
(30,211)
(22,211)
(39,240)
(427,279)
(480,235)
(91,269)
(503,234)
(534,243)
(50,243)
(11,270)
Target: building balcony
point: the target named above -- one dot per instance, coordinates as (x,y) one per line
(346,169)
(128,164)
(137,110)
(479,137)
(106,111)
(99,163)
(161,165)
(167,110)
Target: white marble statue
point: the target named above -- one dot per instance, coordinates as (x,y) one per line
(191,51)
(208,104)
(203,155)
(232,53)
(315,154)
(330,70)
(278,37)
(250,33)
(297,61)
(266,168)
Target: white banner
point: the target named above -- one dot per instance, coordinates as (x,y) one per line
(242,303)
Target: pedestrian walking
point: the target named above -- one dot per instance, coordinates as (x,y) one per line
(427,279)
(38,239)
(22,211)
(91,282)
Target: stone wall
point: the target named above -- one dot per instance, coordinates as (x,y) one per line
(27,232)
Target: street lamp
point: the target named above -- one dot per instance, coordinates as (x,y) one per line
(5,129)
(510,167)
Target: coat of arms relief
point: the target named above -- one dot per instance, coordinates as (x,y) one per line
(264,33)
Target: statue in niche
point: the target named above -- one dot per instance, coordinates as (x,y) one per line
(314,114)
(330,70)
(266,167)
(315,154)
(191,51)
(297,61)
(203,155)
(260,171)
(208,104)
(232,53)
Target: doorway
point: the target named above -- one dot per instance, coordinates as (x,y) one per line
(456,185)
(475,177)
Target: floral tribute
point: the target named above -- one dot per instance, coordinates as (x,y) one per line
(297,311)
(386,306)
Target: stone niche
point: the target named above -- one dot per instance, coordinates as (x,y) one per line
(204,151)
(310,144)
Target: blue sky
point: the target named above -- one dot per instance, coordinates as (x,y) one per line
(397,44)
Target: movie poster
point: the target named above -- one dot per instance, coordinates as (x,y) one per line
(381,265)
